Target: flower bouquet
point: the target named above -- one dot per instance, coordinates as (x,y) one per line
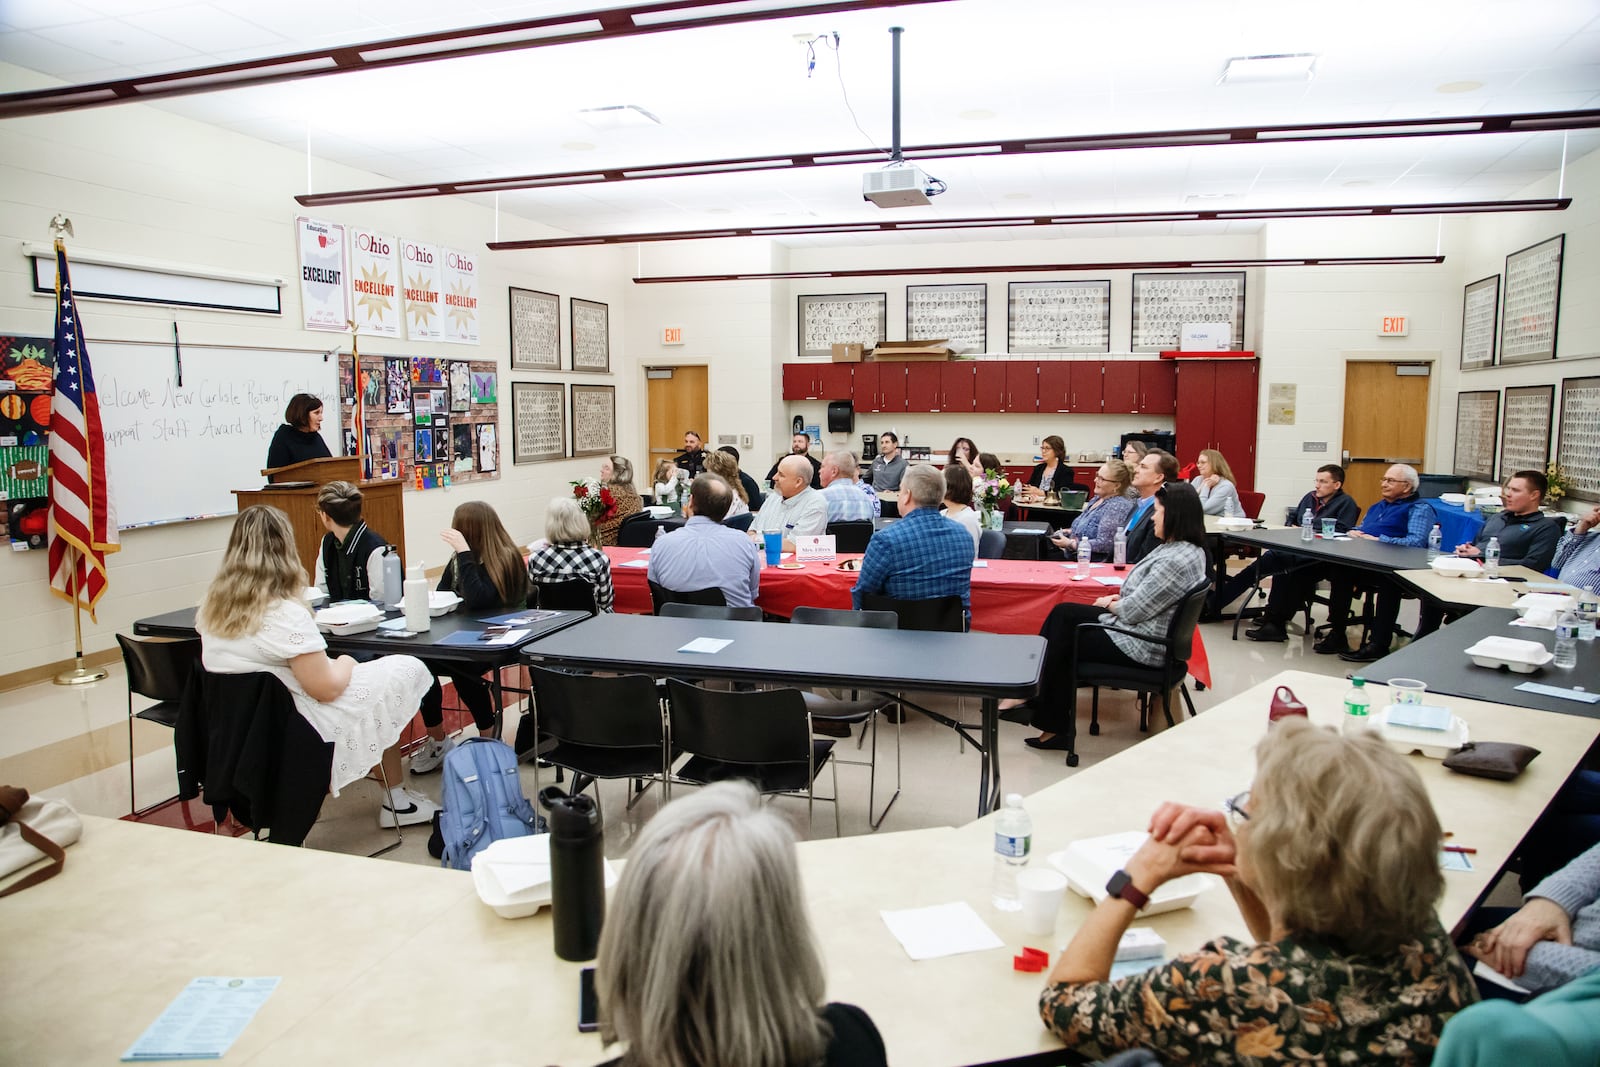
(596,500)
(992,494)
(1556,475)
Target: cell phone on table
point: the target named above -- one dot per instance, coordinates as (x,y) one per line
(588,1003)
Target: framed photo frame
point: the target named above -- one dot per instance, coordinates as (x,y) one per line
(957,313)
(1578,437)
(1477,430)
(1525,429)
(591,336)
(1162,303)
(594,420)
(832,319)
(1533,302)
(538,422)
(1058,316)
(535,330)
(1480,310)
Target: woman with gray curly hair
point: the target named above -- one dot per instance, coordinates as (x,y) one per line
(707,958)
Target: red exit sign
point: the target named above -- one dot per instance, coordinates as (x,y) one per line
(1394,326)
(672,335)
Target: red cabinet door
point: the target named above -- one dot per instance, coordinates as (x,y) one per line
(1158,387)
(1196,407)
(1233,431)
(796,376)
(864,387)
(1121,387)
(922,387)
(1022,385)
(1055,385)
(836,381)
(957,385)
(1088,385)
(892,385)
(989,385)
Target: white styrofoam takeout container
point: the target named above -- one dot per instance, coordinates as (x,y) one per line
(1523,657)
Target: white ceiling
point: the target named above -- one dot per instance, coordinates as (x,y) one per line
(973,70)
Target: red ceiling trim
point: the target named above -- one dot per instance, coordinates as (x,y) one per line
(1054,268)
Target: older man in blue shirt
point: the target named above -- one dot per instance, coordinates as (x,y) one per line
(924,555)
(848,500)
(706,554)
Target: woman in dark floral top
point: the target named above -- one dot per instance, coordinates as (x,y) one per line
(1332,857)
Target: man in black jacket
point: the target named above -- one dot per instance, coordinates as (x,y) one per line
(350,563)
(1156,469)
(1327,500)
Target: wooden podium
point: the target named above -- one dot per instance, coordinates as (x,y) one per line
(293,490)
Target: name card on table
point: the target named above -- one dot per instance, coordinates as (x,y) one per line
(815,548)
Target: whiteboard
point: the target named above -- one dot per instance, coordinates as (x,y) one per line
(176,452)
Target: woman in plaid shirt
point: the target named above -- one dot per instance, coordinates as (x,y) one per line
(568,553)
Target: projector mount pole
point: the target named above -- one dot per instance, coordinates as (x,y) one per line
(894,93)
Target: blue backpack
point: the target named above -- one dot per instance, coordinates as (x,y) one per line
(482,800)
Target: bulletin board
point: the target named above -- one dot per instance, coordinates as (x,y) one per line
(431,421)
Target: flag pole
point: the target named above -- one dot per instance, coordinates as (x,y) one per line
(79,674)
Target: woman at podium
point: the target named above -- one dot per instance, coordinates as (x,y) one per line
(300,436)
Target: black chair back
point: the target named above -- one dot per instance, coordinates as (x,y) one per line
(992,544)
(944,614)
(159,670)
(873,620)
(574,594)
(640,532)
(763,726)
(1180,631)
(602,711)
(740,522)
(681,610)
(850,536)
(660,596)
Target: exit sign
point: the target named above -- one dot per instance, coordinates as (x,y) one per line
(1394,326)
(672,335)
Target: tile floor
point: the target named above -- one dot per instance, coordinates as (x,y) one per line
(73,743)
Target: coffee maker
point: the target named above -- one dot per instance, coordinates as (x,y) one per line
(869,447)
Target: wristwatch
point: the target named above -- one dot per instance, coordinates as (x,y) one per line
(1121,886)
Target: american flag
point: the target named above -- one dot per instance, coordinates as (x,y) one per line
(82,526)
(358,409)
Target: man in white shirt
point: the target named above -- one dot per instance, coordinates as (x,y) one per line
(848,500)
(793,508)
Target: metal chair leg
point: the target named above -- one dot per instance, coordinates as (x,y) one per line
(1094,710)
(399,838)
(1183,690)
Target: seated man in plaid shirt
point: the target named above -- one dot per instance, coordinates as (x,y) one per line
(924,555)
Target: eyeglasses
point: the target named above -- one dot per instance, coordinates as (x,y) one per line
(1392,481)
(1234,807)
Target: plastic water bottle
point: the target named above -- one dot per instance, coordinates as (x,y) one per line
(1357,708)
(1588,607)
(1083,558)
(1567,640)
(1491,558)
(394,578)
(1306,532)
(1119,548)
(659,531)
(1227,508)
(1013,841)
(1435,540)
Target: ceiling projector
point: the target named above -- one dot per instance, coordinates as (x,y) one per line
(899,186)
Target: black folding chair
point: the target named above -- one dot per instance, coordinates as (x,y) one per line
(660,596)
(850,536)
(574,594)
(159,671)
(602,726)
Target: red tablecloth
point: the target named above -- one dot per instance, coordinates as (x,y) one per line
(1009,596)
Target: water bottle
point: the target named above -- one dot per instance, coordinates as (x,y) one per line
(1588,607)
(659,531)
(392,591)
(1567,640)
(1357,708)
(1306,533)
(1083,558)
(1435,540)
(1227,508)
(1119,548)
(577,873)
(1013,841)
(415,598)
(1491,558)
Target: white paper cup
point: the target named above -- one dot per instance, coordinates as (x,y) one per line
(1041,891)
(1408,690)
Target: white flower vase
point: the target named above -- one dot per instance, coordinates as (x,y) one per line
(991,519)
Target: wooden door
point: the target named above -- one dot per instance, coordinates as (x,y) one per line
(1234,428)
(989,385)
(1055,385)
(1385,422)
(676,405)
(835,381)
(922,387)
(956,384)
(1022,385)
(1121,387)
(1196,407)
(1158,387)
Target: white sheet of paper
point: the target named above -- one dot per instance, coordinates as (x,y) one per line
(942,930)
(1454,861)
(706,645)
(634,563)
(980,563)
(510,637)
(1483,970)
(1110,580)
(204,1020)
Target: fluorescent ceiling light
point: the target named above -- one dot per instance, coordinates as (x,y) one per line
(1287,67)
(617,117)
(1049,268)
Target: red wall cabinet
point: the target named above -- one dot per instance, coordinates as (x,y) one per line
(818,381)
(922,387)
(957,386)
(1121,393)
(880,387)
(1158,387)
(1022,385)
(1216,408)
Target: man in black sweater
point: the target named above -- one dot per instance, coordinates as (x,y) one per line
(350,562)
(1327,500)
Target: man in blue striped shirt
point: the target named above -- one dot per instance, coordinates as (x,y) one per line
(924,555)
(848,500)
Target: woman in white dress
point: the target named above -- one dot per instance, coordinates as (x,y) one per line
(254,618)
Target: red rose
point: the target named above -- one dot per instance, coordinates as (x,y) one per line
(580,491)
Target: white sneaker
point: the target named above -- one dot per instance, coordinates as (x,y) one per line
(431,755)
(420,811)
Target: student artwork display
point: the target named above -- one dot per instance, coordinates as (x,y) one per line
(434,436)
(957,313)
(488,448)
(538,421)
(1477,415)
(535,330)
(1059,316)
(594,420)
(1578,445)
(27,369)
(460,289)
(1533,300)
(842,318)
(1480,305)
(591,336)
(324,300)
(374,283)
(1525,429)
(1162,303)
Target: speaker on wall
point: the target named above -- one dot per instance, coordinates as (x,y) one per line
(841,416)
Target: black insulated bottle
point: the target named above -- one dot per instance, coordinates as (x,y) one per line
(577,873)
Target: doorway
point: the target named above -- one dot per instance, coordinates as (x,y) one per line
(676,401)
(1385,422)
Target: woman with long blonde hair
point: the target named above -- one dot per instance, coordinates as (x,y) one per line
(1213,480)
(254,618)
(726,467)
(616,474)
